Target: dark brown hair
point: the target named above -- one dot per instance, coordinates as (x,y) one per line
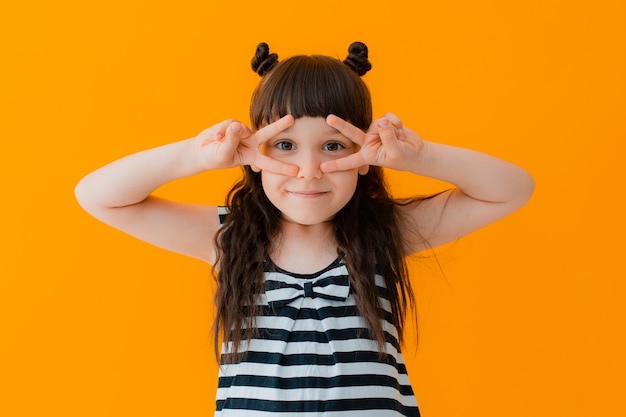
(367,229)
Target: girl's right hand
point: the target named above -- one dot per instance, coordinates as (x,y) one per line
(230,143)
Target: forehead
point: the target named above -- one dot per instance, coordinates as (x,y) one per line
(311,125)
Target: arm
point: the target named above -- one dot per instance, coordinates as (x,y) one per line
(487,188)
(119,194)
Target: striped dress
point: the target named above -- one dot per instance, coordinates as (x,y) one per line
(312,356)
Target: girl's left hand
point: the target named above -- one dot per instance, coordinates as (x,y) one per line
(386,144)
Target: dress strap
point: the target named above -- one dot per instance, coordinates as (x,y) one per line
(222,212)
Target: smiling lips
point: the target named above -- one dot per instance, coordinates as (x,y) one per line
(307,194)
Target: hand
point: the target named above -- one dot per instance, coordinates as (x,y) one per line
(230,143)
(386,144)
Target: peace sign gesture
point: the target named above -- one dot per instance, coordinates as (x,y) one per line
(386,144)
(230,143)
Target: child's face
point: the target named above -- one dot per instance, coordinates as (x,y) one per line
(311,197)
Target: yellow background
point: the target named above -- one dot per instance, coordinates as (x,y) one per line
(527,317)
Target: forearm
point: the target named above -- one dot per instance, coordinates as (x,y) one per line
(133,178)
(478,175)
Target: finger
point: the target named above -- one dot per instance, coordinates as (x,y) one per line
(234,132)
(347,163)
(350,131)
(266,133)
(395,120)
(246,132)
(265,163)
(215,132)
(231,139)
(388,136)
(220,132)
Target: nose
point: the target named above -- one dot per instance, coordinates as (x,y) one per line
(309,167)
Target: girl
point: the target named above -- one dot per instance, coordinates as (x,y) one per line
(310,249)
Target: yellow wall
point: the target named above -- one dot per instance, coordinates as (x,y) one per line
(528,318)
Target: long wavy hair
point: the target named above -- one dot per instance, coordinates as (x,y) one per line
(367,230)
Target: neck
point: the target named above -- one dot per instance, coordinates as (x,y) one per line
(305,248)
(320,230)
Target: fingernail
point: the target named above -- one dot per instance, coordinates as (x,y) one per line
(235,127)
(383,123)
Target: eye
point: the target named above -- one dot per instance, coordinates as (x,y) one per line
(284,145)
(333,146)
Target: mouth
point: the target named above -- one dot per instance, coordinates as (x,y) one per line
(308,194)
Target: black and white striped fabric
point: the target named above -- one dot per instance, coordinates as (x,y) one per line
(313,356)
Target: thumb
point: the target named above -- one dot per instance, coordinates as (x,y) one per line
(234,130)
(386,131)
(388,134)
(231,140)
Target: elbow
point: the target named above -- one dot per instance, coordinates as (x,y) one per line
(84,195)
(525,188)
(529,185)
(80,193)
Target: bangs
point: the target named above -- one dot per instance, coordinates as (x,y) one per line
(311,86)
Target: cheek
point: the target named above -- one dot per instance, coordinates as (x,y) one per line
(266,182)
(271,185)
(347,182)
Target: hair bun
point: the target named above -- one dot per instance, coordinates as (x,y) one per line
(263,61)
(357,58)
